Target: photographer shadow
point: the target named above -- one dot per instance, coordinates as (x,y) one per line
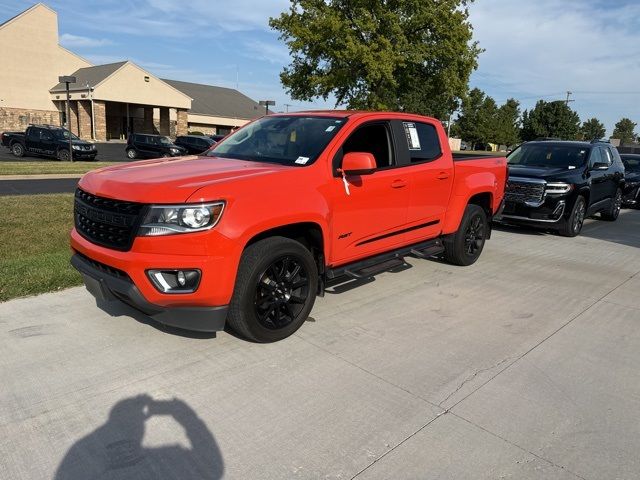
(115,450)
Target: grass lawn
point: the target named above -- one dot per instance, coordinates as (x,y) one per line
(34,245)
(47,168)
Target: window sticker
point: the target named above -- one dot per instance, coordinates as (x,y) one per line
(302,160)
(412,135)
(330,128)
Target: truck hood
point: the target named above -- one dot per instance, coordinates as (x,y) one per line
(543,173)
(169,180)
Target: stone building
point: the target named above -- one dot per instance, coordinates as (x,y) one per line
(107,101)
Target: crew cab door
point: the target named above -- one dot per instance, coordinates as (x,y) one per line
(47,142)
(32,140)
(370,211)
(431,173)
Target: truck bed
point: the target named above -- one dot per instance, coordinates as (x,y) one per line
(461,156)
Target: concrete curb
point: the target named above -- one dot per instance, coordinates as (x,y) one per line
(42,176)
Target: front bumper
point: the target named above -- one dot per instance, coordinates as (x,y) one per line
(109,284)
(551,212)
(85,153)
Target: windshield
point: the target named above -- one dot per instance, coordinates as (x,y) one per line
(288,140)
(631,163)
(549,156)
(164,141)
(64,134)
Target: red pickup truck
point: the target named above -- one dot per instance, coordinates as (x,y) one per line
(250,233)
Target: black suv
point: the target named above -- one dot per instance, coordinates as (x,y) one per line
(195,144)
(631,192)
(141,145)
(557,184)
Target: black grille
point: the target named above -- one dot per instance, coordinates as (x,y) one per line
(107,222)
(521,192)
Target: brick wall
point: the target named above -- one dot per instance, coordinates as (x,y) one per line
(100,119)
(182,125)
(18,119)
(84,119)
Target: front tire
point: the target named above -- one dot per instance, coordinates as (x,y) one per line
(18,150)
(132,154)
(573,225)
(465,246)
(275,290)
(612,213)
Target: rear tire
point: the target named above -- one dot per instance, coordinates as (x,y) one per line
(275,290)
(573,225)
(612,213)
(18,150)
(465,246)
(63,155)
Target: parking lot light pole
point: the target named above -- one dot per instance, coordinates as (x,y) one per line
(67,80)
(266,104)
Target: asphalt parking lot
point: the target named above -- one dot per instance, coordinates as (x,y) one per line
(522,366)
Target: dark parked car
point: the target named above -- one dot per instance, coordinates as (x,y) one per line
(141,145)
(195,144)
(48,141)
(631,191)
(216,138)
(556,184)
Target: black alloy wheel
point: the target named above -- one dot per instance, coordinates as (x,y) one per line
(63,155)
(616,205)
(474,236)
(281,293)
(572,226)
(17,149)
(578,218)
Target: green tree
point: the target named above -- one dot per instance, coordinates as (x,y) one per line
(481,121)
(550,119)
(507,124)
(624,130)
(413,55)
(592,129)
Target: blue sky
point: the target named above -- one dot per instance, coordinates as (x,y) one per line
(534,50)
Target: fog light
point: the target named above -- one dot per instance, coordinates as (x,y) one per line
(175,281)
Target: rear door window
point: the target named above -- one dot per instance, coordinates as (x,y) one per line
(422,141)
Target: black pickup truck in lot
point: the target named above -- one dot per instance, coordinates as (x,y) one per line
(48,141)
(557,184)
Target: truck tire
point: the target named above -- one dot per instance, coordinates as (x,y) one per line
(465,246)
(611,213)
(17,149)
(63,155)
(275,290)
(573,225)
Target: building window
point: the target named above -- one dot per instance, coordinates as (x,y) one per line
(146,78)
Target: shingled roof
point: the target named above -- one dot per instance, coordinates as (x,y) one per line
(218,101)
(91,76)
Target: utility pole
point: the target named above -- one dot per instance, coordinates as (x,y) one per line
(286,106)
(567,100)
(67,80)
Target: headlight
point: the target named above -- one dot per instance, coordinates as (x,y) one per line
(76,147)
(558,188)
(174,150)
(172,219)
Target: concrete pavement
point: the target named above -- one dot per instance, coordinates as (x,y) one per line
(522,366)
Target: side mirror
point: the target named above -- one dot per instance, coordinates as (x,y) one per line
(358,163)
(600,166)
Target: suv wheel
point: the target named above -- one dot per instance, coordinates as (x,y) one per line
(63,155)
(611,214)
(17,149)
(275,290)
(465,246)
(132,154)
(573,224)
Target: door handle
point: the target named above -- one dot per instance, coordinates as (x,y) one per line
(443,176)
(398,184)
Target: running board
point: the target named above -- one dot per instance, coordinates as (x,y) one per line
(386,261)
